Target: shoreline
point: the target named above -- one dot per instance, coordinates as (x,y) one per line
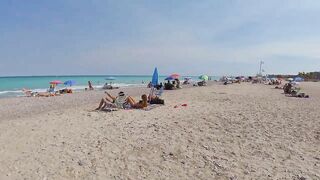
(16,107)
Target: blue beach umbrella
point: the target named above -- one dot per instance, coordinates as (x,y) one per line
(169,78)
(298,79)
(70,83)
(155,77)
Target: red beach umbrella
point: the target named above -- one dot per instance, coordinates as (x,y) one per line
(55,82)
(175,76)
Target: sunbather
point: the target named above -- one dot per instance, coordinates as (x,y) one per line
(287,88)
(113,102)
(109,86)
(202,83)
(65,91)
(138,105)
(155,94)
(30,93)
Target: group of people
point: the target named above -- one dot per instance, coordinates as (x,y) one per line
(127,102)
(122,102)
(175,84)
(290,90)
(273,82)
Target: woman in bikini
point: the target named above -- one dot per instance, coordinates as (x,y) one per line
(138,105)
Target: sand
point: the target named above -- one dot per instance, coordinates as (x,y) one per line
(239,131)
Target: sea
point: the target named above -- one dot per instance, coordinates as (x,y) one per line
(12,86)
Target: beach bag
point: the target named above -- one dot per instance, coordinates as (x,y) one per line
(157,101)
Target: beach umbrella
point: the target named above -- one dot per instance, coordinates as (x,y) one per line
(70,83)
(204,77)
(110,78)
(155,77)
(169,78)
(56,82)
(298,79)
(175,76)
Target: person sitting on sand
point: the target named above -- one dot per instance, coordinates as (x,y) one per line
(202,83)
(51,88)
(155,94)
(65,91)
(178,83)
(138,105)
(113,102)
(168,86)
(287,88)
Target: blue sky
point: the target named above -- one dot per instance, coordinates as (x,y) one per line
(191,37)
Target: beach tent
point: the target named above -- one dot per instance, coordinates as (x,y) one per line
(155,77)
(290,79)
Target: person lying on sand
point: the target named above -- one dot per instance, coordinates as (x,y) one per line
(30,93)
(138,105)
(113,102)
(109,86)
(65,91)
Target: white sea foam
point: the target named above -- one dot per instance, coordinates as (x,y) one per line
(19,93)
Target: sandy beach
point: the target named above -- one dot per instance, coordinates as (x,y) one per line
(239,131)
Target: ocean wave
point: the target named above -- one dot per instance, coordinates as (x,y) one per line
(19,93)
(6,92)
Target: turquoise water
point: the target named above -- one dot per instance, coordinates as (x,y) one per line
(12,86)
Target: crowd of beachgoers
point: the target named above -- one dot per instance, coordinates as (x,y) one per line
(122,100)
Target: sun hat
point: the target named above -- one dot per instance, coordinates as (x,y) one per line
(121,93)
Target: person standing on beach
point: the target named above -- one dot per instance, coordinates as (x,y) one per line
(90,85)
